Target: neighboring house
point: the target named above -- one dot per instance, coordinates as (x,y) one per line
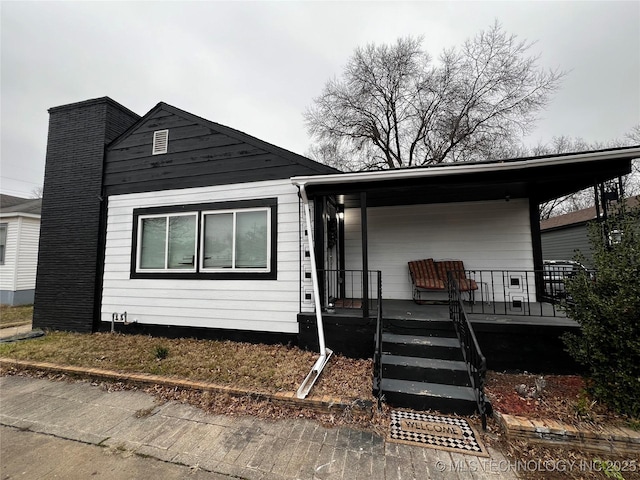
(194,228)
(563,235)
(19,230)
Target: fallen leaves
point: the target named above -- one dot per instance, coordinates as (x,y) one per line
(261,367)
(562,397)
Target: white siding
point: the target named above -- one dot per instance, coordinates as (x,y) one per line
(491,235)
(27,264)
(259,305)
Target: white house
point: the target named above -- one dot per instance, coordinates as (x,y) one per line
(19,232)
(192,227)
(175,225)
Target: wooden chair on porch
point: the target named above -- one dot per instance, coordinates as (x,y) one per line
(456,267)
(424,277)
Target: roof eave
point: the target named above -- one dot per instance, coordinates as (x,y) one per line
(469,168)
(20,214)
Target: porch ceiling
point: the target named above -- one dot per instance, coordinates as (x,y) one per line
(546,180)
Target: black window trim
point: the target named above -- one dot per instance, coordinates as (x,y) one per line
(167,216)
(199,208)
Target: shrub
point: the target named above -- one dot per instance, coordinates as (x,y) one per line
(608,310)
(161,352)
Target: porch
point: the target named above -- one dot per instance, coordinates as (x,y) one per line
(502,313)
(512,342)
(363,226)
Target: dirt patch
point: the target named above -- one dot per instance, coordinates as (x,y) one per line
(559,397)
(541,396)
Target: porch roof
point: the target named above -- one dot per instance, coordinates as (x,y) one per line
(541,178)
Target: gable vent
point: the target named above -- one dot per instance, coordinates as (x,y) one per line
(160,141)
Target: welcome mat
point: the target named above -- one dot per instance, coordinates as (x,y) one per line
(435,431)
(348,303)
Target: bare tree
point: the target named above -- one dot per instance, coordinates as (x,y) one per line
(36,192)
(633,138)
(633,135)
(395,107)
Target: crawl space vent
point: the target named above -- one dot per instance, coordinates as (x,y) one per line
(160,141)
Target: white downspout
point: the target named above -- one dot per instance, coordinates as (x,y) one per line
(325,353)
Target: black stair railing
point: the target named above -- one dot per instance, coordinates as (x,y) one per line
(473,357)
(377,355)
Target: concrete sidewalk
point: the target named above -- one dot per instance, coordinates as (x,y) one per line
(20,330)
(244,447)
(36,456)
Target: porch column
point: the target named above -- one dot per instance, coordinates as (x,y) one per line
(341,259)
(365,255)
(536,244)
(318,238)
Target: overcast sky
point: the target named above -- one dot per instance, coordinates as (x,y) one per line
(256,66)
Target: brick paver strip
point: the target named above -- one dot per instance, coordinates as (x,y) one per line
(619,440)
(320,403)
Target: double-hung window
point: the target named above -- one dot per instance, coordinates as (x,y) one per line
(210,241)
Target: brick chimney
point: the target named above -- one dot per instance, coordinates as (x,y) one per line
(73,213)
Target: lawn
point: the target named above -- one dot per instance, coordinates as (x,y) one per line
(262,368)
(15,316)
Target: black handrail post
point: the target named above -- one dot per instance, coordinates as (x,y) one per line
(493,290)
(378,343)
(365,255)
(526,289)
(505,278)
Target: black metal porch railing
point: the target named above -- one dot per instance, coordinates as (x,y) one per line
(349,291)
(476,362)
(520,292)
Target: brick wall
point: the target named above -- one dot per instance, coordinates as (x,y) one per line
(68,259)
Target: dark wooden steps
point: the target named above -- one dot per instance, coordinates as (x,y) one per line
(429,396)
(423,367)
(429,328)
(432,370)
(419,346)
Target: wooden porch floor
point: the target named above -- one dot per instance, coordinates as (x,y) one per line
(497,313)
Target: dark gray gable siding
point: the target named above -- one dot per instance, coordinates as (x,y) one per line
(69,254)
(201,153)
(9,204)
(562,243)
